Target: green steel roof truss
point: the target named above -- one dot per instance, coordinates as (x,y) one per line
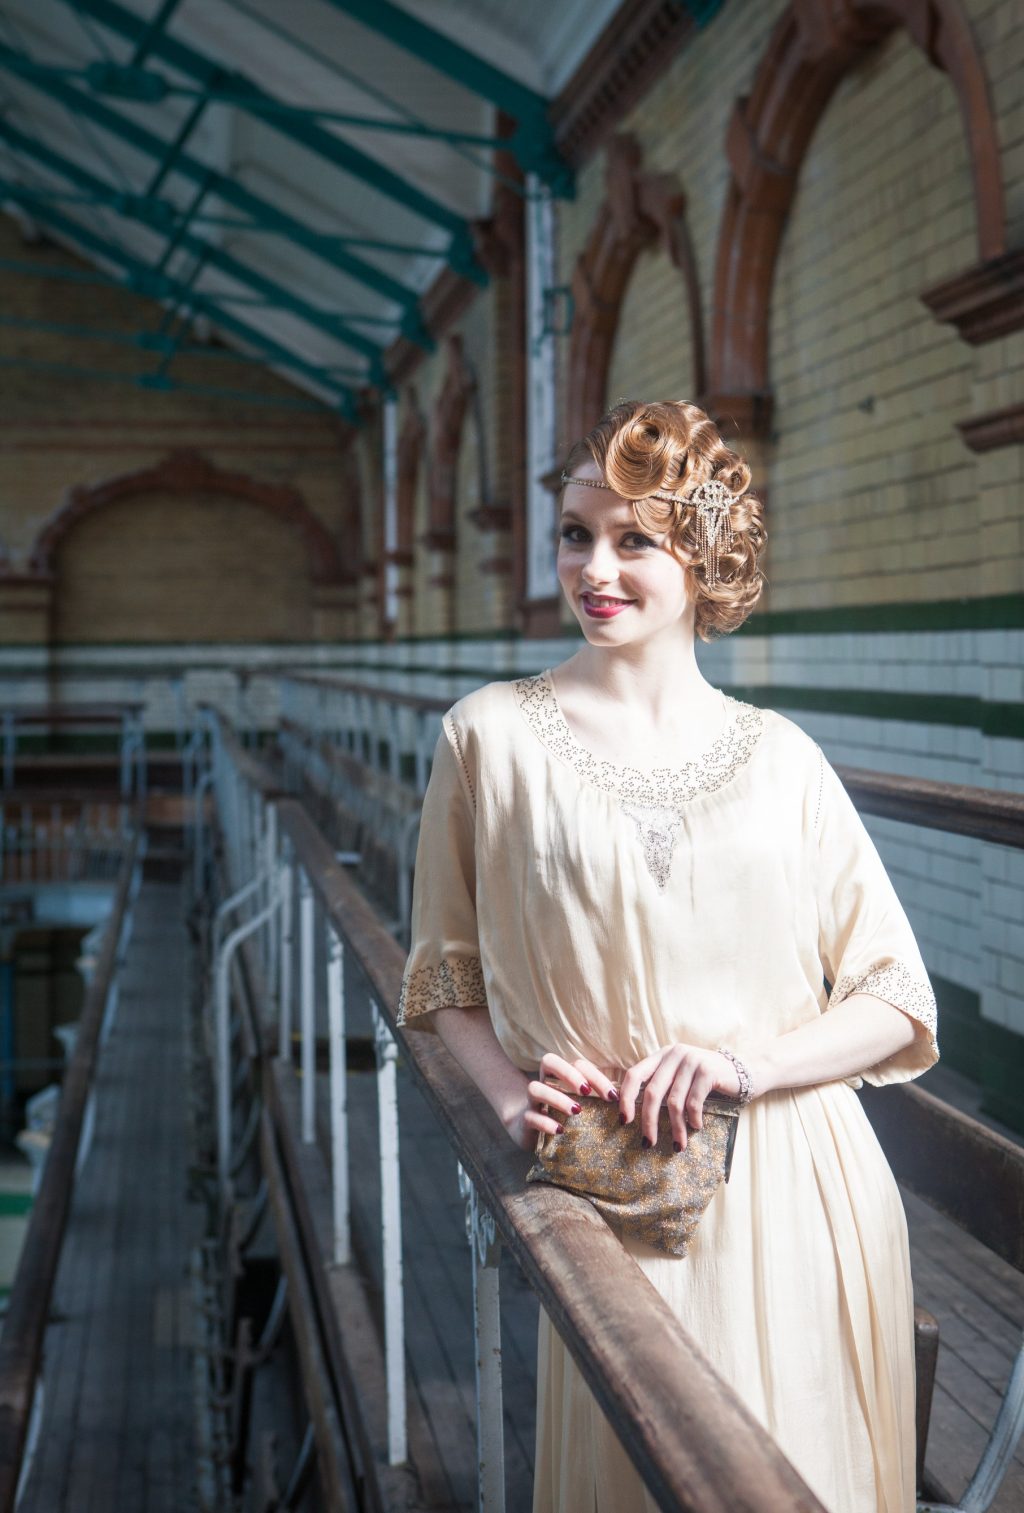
(162,216)
(250,97)
(142,280)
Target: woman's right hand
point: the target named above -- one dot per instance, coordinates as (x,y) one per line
(553,1096)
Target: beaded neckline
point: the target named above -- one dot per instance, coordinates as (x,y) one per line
(665,786)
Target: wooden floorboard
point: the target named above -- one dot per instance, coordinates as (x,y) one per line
(979,1303)
(117,1430)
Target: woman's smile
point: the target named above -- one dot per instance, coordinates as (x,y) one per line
(603,606)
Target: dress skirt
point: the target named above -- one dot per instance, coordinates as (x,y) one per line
(797,1289)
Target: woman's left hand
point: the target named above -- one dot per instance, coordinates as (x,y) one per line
(681,1076)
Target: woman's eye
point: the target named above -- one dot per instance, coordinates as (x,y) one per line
(634,540)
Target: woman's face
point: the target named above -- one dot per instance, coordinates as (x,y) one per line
(623,583)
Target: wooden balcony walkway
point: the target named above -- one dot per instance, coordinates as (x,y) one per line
(117,1427)
(977,1299)
(118,1423)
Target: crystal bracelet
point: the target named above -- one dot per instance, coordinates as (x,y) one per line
(746,1082)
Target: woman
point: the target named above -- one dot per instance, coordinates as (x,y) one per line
(626,877)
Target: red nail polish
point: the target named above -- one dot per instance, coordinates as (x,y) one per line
(585,1089)
(560,1128)
(676,1146)
(623,1119)
(613,1094)
(646,1143)
(575,1108)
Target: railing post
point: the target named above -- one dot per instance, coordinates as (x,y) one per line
(490,1430)
(224,1080)
(269,866)
(422,745)
(391,1229)
(285,959)
(307,1007)
(339,1095)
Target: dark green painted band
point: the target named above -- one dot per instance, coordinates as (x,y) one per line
(999,612)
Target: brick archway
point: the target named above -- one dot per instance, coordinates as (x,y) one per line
(809,51)
(189,472)
(640,209)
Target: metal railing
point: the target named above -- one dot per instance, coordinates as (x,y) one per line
(21,1343)
(123,722)
(48,842)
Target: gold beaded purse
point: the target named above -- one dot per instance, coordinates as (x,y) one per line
(658,1195)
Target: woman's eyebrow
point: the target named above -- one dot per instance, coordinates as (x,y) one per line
(619,519)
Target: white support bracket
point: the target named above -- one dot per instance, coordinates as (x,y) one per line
(386,1050)
(485,1247)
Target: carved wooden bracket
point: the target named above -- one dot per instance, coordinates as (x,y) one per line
(985,302)
(810,49)
(491,517)
(189,472)
(999,428)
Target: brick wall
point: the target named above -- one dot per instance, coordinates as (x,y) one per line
(59,429)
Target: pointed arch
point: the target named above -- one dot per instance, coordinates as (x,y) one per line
(640,209)
(811,48)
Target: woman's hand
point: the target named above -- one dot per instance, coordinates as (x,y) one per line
(681,1076)
(554,1097)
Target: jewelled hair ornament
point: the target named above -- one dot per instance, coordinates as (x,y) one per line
(712,501)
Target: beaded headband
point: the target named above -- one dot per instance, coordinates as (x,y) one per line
(711,500)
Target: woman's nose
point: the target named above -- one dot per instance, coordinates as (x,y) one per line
(600,565)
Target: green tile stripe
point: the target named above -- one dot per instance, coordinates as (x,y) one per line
(12,1204)
(999,612)
(991,718)
(996,612)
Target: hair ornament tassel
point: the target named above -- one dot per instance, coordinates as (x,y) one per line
(712,501)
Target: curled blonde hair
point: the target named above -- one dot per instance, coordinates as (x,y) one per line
(672,446)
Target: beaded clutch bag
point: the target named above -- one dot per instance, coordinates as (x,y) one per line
(658,1195)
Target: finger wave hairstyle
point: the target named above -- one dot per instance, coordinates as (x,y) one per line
(673,446)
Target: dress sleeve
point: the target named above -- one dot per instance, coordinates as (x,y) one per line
(865,941)
(443,966)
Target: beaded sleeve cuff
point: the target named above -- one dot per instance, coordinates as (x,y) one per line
(894,983)
(456,982)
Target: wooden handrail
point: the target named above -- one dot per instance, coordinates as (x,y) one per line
(28,1309)
(679,1420)
(969,1172)
(256,773)
(986,813)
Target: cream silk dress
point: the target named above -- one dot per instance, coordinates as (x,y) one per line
(602,911)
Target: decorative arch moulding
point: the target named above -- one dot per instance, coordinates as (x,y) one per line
(447,425)
(640,210)
(810,50)
(184,473)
